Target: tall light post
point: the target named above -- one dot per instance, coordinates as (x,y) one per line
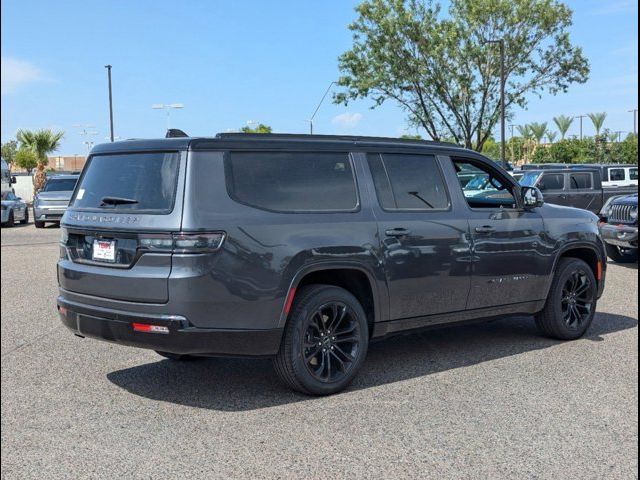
(108,67)
(87,132)
(619,134)
(167,107)
(318,107)
(581,117)
(502,99)
(635,120)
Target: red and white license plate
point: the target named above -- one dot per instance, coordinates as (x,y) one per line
(104,250)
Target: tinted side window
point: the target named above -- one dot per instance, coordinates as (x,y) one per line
(580,181)
(633,174)
(554,181)
(408,182)
(292,181)
(616,174)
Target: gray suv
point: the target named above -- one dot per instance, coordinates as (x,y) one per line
(304,248)
(50,203)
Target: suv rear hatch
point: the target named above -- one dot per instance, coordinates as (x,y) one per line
(121,215)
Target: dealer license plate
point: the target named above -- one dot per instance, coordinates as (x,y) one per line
(104,250)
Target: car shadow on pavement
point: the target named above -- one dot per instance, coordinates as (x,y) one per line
(228,384)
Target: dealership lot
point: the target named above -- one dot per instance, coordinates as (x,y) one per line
(492,400)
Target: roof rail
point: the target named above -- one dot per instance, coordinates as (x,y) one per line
(344,138)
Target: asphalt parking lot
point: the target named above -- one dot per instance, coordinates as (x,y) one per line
(484,401)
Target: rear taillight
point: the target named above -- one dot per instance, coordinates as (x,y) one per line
(182,242)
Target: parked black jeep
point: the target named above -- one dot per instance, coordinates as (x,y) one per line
(305,248)
(619,228)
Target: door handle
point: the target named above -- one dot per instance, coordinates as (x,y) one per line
(485,229)
(397,232)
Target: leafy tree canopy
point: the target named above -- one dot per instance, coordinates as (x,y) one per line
(26,159)
(261,128)
(41,142)
(441,69)
(9,150)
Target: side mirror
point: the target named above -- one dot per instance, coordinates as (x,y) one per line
(532,197)
(13,180)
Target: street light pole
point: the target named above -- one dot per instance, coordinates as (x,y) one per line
(108,67)
(318,108)
(635,120)
(580,117)
(503,155)
(167,107)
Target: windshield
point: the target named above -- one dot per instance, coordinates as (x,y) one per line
(60,185)
(131,182)
(529,179)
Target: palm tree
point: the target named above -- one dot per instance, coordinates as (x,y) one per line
(538,130)
(551,136)
(598,121)
(564,124)
(524,131)
(41,142)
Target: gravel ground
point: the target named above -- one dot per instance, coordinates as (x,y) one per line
(483,401)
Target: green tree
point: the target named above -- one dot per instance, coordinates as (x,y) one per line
(407,136)
(26,159)
(442,71)
(551,136)
(9,150)
(261,128)
(538,131)
(564,124)
(40,142)
(598,121)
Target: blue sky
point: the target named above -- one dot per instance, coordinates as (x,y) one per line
(233,62)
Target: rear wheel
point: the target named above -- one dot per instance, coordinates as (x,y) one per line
(572,300)
(25,220)
(11,220)
(325,341)
(621,254)
(38,224)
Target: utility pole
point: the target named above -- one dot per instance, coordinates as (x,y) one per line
(318,108)
(580,117)
(619,134)
(167,107)
(635,120)
(108,67)
(503,155)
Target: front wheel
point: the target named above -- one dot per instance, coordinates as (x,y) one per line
(11,220)
(325,341)
(571,304)
(38,224)
(622,255)
(25,220)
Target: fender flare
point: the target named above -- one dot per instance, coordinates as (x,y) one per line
(319,266)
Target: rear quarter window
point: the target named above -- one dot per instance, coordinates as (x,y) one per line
(292,181)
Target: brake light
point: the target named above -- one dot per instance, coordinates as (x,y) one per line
(148,328)
(182,242)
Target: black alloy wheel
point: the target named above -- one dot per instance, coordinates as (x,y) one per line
(331,342)
(577,299)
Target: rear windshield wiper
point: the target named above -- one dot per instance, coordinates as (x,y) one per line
(117,201)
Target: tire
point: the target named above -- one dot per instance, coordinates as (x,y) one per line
(338,355)
(622,255)
(38,224)
(11,220)
(175,356)
(572,301)
(25,220)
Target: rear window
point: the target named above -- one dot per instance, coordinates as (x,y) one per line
(633,174)
(60,185)
(408,182)
(129,182)
(616,174)
(580,181)
(292,181)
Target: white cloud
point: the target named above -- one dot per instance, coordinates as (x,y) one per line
(16,73)
(347,120)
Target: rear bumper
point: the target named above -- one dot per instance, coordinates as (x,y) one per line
(620,235)
(183,338)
